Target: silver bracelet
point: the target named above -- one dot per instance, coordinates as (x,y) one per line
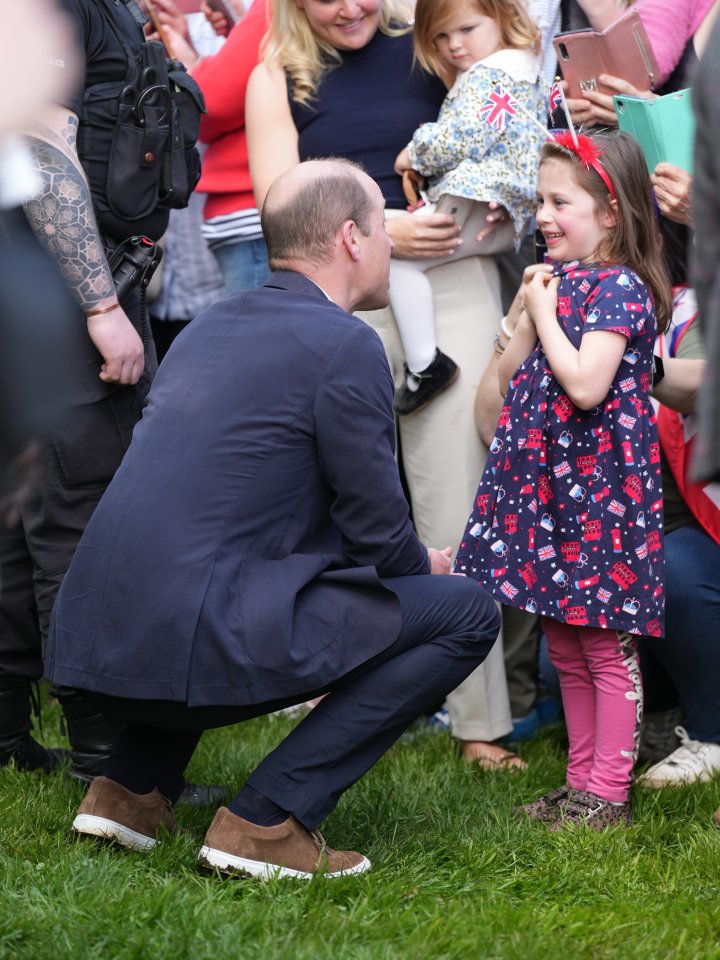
(504,329)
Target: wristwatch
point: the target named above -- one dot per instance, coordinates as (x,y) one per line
(658,370)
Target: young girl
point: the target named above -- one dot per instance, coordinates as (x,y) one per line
(483,149)
(568,517)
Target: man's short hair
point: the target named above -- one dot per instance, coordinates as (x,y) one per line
(304,226)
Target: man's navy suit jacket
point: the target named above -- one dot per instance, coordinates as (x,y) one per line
(235,558)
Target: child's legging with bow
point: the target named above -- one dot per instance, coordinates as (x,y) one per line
(602,699)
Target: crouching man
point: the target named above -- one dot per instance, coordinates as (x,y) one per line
(255,550)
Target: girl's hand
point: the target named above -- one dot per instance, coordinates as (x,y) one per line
(435,235)
(673,192)
(402,162)
(498,214)
(528,274)
(540,298)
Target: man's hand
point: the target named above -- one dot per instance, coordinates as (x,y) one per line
(439,560)
(117,340)
(673,192)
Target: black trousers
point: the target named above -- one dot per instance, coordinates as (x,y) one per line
(85,448)
(449,626)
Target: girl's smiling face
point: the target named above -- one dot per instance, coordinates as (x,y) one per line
(567,215)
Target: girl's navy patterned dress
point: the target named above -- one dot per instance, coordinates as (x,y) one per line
(567,521)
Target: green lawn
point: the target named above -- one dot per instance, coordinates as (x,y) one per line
(455,876)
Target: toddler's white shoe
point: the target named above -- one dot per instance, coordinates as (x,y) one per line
(692,761)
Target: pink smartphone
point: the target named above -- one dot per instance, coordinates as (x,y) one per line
(622,50)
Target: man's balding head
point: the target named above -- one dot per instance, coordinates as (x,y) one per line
(306,207)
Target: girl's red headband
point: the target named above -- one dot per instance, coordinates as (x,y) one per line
(588,152)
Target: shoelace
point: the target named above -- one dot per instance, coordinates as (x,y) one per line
(693,747)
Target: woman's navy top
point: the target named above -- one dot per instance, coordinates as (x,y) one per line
(368,108)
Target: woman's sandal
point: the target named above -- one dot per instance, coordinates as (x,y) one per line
(490,756)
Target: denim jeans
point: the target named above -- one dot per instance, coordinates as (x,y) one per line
(243,264)
(688,656)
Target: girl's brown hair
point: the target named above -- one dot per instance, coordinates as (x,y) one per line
(517,29)
(635,241)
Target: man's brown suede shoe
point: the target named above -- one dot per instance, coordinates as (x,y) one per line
(131,819)
(234,845)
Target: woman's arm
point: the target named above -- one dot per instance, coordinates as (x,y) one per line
(519,348)
(673,192)
(271,133)
(680,387)
(600,13)
(223,77)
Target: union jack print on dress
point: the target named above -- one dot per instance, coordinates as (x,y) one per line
(508,589)
(498,108)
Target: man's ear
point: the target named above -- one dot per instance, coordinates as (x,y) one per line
(349,234)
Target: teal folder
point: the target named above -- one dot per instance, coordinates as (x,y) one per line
(664,127)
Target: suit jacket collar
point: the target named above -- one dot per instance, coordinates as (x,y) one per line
(290,280)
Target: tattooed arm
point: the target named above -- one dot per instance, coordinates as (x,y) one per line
(62,217)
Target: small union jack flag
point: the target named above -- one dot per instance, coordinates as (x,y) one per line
(508,589)
(603,595)
(617,508)
(556,97)
(642,551)
(628,384)
(498,108)
(625,420)
(562,469)
(546,553)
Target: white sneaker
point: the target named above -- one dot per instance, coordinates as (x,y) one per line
(691,762)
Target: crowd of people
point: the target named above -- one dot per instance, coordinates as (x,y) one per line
(434,400)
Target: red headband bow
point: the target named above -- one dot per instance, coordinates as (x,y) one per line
(588,152)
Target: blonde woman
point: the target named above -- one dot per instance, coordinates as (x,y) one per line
(338,78)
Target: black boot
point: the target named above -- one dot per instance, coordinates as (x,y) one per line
(92,735)
(16,744)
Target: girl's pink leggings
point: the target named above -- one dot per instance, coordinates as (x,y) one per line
(602,698)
